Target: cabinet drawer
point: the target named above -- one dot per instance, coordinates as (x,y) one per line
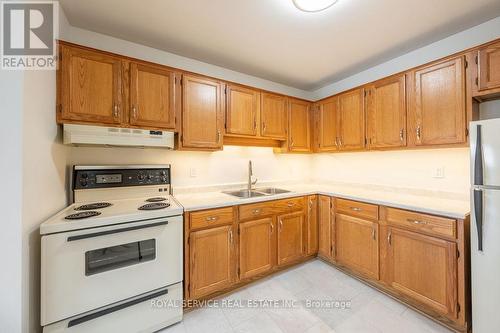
(358,209)
(270,208)
(434,225)
(211,218)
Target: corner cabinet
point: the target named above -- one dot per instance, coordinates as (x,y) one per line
(299,124)
(437,112)
(90,87)
(488,70)
(326,238)
(202,116)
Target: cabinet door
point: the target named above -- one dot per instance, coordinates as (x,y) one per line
(152,96)
(274,116)
(386,113)
(351,120)
(90,88)
(325,231)
(212,260)
(257,247)
(290,237)
(299,137)
(489,67)
(423,268)
(202,113)
(326,124)
(242,107)
(357,245)
(312,225)
(438,111)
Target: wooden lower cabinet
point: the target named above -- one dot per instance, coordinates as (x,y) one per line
(312,225)
(357,245)
(211,257)
(257,244)
(423,268)
(290,237)
(326,232)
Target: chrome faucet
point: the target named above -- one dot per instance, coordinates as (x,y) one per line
(250,174)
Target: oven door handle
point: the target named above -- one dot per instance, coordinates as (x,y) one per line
(109,232)
(115,308)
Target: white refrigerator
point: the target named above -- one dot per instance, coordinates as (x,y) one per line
(485,225)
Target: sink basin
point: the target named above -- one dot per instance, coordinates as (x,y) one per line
(271,190)
(244,193)
(256,193)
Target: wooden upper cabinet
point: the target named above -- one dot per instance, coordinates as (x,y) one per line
(325,223)
(202,116)
(437,114)
(386,113)
(153,100)
(312,225)
(357,244)
(299,136)
(423,268)
(351,120)
(274,116)
(242,110)
(257,247)
(211,256)
(290,237)
(90,87)
(326,125)
(489,67)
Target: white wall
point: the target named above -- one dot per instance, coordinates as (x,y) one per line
(222,167)
(11,200)
(410,169)
(474,36)
(44,181)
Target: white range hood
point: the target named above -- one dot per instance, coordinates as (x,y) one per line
(114,136)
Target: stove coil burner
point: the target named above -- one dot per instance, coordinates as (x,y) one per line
(92,206)
(156,199)
(82,215)
(154,206)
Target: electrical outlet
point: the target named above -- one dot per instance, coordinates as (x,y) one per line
(438,172)
(193,172)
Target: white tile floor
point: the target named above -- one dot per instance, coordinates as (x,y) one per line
(370,310)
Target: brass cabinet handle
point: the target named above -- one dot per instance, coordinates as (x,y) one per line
(402,135)
(416,221)
(218,136)
(211,218)
(389,238)
(263,127)
(374,235)
(272,227)
(115,111)
(356,209)
(134,112)
(292,143)
(419,132)
(231,236)
(290,204)
(255,124)
(256,211)
(281,224)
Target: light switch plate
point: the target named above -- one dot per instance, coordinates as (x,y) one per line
(438,172)
(193,172)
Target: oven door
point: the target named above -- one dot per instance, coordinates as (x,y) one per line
(86,269)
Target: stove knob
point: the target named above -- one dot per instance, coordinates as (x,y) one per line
(140,177)
(164,179)
(150,176)
(83,182)
(85,176)
(163,173)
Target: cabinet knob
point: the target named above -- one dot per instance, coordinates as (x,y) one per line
(256,211)
(116,111)
(134,112)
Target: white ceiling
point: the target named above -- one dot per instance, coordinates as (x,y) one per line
(273,40)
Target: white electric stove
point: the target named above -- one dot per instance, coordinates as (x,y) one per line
(112,261)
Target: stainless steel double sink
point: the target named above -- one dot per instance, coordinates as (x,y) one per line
(259,192)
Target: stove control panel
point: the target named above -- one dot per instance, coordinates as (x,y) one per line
(105,177)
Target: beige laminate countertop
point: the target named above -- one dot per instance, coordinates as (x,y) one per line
(432,202)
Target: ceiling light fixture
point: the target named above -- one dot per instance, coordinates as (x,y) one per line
(313,5)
